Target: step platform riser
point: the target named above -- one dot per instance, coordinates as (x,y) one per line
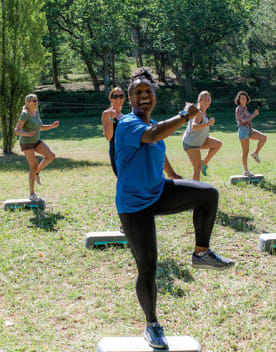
(12,204)
(94,239)
(246,179)
(138,344)
(267,243)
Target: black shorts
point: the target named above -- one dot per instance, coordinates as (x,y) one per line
(28,146)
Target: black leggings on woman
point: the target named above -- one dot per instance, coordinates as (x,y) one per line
(139,228)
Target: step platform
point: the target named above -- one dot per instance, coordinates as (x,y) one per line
(138,344)
(240,178)
(267,243)
(12,204)
(94,239)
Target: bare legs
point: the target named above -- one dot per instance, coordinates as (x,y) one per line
(48,155)
(194,155)
(245,151)
(255,135)
(260,137)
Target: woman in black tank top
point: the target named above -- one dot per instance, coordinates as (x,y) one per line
(110,119)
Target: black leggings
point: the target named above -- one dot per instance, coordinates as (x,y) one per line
(139,228)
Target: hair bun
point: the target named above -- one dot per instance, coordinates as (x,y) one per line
(142,73)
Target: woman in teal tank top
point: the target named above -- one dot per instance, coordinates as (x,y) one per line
(28,129)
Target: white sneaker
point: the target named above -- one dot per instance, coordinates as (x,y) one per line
(37,179)
(255,156)
(34,197)
(247,173)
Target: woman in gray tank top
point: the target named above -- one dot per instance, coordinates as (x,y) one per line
(196,137)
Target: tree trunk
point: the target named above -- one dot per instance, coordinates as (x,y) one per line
(138,51)
(114,83)
(106,72)
(3,80)
(175,70)
(55,68)
(92,73)
(4,133)
(156,62)
(188,70)
(162,72)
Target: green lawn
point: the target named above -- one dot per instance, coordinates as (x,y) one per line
(55,295)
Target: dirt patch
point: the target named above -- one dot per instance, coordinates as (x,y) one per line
(69,86)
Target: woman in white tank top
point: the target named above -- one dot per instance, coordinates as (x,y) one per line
(196,137)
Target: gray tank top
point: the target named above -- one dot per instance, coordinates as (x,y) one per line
(196,138)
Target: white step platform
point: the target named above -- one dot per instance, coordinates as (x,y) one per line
(267,243)
(138,344)
(24,203)
(240,178)
(94,239)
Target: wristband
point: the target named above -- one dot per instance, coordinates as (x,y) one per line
(184,115)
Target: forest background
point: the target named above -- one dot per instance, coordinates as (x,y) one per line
(219,45)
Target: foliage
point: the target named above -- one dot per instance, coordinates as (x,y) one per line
(193,39)
(94,32)
(262,33)
(22,58)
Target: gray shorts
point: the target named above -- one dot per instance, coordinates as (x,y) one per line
(187,146)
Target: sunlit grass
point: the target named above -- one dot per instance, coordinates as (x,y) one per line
(57,296)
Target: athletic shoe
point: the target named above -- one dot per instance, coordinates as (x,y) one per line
(210,260)
(247,173)
(34,197)
(204,169)
(37,179)
(255,156)
(154,336)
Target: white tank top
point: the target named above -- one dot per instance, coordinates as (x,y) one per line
(196,138)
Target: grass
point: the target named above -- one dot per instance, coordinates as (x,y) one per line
(55,295)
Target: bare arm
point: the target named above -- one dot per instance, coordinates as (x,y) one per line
(164,129)
(242,118)
(169,170)
(107,122)
(197,125)
(19,131)
(49,127)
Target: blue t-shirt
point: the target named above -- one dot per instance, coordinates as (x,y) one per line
(139,166)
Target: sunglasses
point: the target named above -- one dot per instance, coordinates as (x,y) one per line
(34,100)
(120,96)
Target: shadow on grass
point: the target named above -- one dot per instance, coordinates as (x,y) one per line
(236,222)
(45,220)
(15,162)
(167,272)
(267,186)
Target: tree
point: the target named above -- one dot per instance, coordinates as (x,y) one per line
(96,32)
(262,36)
(22,58)
(191,30)
(53,39)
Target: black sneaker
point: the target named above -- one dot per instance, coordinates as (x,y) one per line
(154,336)
(210,260)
